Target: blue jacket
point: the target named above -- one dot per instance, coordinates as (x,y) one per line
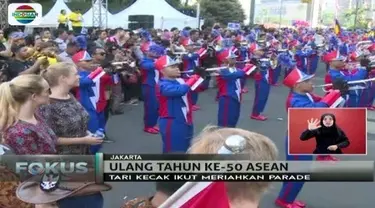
(174,101)
(301,58)
(344,49)
(296,100)
(150,76)
(190,61)
(229,83)
(244,54)
(336,74)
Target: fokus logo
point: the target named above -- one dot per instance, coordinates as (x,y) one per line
(25,14)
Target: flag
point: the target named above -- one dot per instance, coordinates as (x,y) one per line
(337,27)
(202,195)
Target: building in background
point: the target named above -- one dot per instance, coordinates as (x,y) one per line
(270,11)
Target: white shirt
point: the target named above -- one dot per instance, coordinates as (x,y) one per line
(61,43)
(65,57)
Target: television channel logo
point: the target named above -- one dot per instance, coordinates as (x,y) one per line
(24,14)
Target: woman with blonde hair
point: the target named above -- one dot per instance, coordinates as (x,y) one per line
(258,148)
(65,115)
(23,129)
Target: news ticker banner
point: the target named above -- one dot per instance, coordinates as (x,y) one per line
(170,167)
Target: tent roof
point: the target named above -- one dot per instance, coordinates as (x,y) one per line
(158,8)
(50,19)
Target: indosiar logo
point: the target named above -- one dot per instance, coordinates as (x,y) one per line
(25,14)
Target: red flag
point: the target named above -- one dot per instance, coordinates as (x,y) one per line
(203,195)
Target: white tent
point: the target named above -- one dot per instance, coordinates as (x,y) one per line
(165,16)
(88,17)
(50,19)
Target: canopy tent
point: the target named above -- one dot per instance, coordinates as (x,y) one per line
(89,16)
(165,16)
(50,19)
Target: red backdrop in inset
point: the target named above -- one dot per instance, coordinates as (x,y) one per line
(351,121)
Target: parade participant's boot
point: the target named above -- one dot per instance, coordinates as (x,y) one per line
(151,130)
(195,107)
(258,117)
(156,128)
(282,204)
(245,90)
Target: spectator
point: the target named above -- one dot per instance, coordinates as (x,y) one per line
(71,49)
(46,35)
(61,39)
(102,37)
(70,36)
(19,64)
(67,118)
(10,35)
(258,148)
(23,129)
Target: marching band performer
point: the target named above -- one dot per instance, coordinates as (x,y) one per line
(230,89)
(243,57)
(176,122)
(88,92)
(344,47)
(313,58)
(333,45)
(217,39)
(276,67)
(301,97)
(150,78)
(301,57)
(262,85)
(288,62)
(190,62)
(146,41)
(336,64)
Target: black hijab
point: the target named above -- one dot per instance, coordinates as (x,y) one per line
(332,131)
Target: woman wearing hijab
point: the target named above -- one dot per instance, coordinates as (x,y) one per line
(330,139)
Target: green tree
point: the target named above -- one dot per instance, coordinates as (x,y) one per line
(175,3)
(222,11)
(362,20)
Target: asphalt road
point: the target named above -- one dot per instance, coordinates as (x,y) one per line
(126,130)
